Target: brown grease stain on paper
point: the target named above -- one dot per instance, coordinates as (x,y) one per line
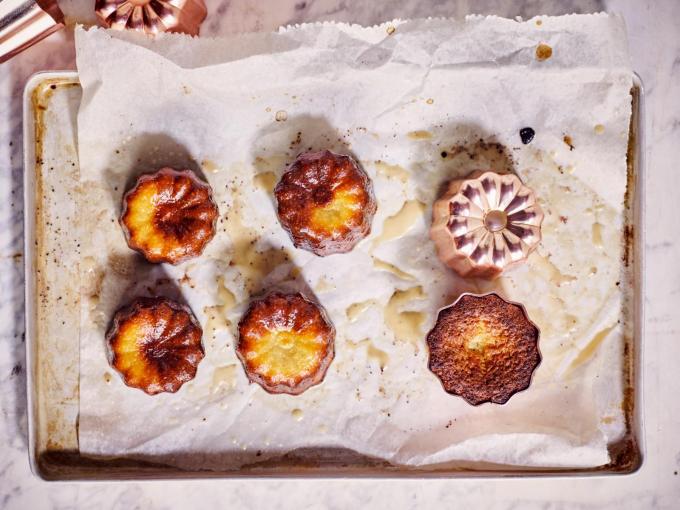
(217,315)
(587,352)
(543,52)
(373,354)
(419,135)
(391,171)
(209,166)
(405,324)
(401,222)
(265,181)
(548,270)
(382,265)
(253,265)
(354,310)
(224,379)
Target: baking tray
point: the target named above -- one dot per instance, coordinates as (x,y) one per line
(51,189)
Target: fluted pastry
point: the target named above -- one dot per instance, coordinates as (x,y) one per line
(285,343)
(169,216)
(483,348)
(155,344)
(325,201)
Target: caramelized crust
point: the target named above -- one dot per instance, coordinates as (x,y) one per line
(169,216)
(325,202)
(155,345)
(286,343)
(483,348)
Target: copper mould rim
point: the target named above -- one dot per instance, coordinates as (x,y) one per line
(446,243)
(150,176)
(528,319)
(305,384)
(127,311)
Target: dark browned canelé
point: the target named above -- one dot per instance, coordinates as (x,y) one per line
(325,201)
(483,349)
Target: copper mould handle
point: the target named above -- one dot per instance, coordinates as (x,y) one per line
(25,22)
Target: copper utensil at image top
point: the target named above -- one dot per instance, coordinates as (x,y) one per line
(25,22)
(486,223)
(152,16)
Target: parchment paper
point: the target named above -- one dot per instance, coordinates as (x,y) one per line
(417,103)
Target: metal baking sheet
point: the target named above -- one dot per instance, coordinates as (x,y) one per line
(51,190)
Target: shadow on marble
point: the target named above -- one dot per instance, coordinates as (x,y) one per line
(370,13)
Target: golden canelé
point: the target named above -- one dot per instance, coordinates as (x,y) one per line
(325,201)
(155,344)
(285,343)
(169,216)
(483,348)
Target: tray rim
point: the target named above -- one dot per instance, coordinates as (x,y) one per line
(101,472)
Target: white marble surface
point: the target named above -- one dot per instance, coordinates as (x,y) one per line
(655,48)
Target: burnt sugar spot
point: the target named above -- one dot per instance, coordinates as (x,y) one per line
(527,134)
(543,52)
(482,153)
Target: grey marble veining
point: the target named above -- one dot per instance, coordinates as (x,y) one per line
(655,49)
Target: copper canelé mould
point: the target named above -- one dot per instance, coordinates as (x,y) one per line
(486,223)
(152,16)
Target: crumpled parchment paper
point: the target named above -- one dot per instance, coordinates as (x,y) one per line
(416,103)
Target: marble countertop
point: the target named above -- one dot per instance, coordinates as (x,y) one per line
(655,49)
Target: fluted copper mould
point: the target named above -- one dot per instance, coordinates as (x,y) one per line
(25,22)
(486,223)
(152,16)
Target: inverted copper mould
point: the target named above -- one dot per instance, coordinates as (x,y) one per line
(152,16)
(486,223)
(483,348)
